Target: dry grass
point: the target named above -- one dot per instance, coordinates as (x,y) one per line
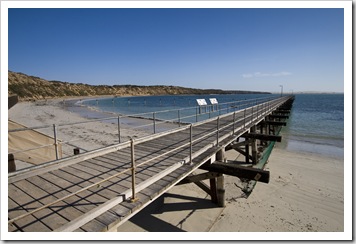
(35,88)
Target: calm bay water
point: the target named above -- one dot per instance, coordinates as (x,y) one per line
(142,104)
(316,123)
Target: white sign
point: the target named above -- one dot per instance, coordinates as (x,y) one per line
(213,101)
(201,102)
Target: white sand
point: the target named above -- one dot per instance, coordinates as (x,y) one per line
(305,193)
(86,136)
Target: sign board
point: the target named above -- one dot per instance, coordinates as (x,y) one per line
(201,102)
(213,101)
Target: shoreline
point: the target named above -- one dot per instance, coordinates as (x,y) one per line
(288,142)
(305,193)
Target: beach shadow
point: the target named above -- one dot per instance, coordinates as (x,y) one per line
(153,224)
(184,206)
(194,203)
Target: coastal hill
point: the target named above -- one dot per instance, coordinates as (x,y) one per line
(35,88)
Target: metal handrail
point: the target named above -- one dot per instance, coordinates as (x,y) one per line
(133,167)
(130,116)
(156,122)
(56,142)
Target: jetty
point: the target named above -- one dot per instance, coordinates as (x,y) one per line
(101,189)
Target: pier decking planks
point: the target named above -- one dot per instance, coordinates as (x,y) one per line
(46,186)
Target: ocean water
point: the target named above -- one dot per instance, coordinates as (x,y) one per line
(162,106)
(316,125)
(316,122)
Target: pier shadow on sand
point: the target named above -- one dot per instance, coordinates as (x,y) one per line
(175,212)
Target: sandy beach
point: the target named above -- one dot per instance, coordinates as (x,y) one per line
(305,192)
(86,136)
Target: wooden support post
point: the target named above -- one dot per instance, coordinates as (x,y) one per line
(214,197)
(269,129)
(220,155)
(247,153)
(266,132)
(254,151)
(220,191)
(254,146)
(76,151)
(262,131)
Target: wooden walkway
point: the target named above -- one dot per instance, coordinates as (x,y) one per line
(101,189)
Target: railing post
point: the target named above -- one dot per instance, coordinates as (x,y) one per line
(133,171)
(154,122)
(55,140)
(266,107)
(245,118)
(118,128)
(252,115)
(191,144)
(196,114)
(233,125)
(178,117)
(217,130)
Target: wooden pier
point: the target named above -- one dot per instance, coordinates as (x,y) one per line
(101,189)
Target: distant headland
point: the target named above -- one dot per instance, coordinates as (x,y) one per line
(35,88)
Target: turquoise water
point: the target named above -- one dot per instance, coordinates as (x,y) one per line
(316,122)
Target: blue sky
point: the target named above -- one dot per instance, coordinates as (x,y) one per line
(230,49)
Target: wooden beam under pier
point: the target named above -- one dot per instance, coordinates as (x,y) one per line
(278,116)
(237,144)
(281,112)
(263,137)
(238,171)
(278,123)
(199,177)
